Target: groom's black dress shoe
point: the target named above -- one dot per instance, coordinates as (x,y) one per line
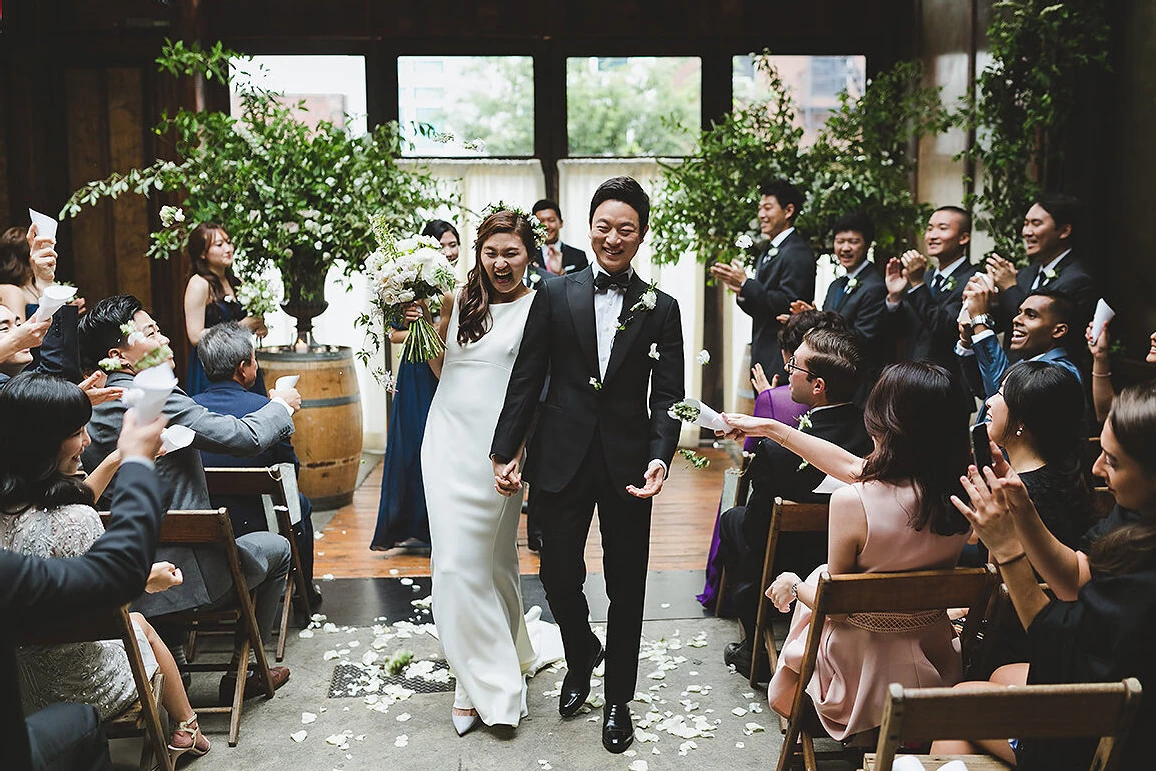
(617,728)
(576,685)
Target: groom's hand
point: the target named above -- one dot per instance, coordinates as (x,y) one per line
(654,477)
(507,477)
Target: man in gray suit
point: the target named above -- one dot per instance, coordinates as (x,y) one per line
(264,556)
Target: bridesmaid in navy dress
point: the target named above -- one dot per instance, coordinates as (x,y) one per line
(401,516)
(210,298)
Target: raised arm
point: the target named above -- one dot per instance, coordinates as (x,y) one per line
(1103,392)
(827,457)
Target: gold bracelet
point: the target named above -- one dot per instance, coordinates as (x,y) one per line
(1101,374)
(787,435)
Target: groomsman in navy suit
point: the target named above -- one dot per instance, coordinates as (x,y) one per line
(925,313)
(783,274)
(1050,226)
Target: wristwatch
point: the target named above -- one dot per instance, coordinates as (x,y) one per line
(983,319)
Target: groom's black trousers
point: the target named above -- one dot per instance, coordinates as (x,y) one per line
(624,522)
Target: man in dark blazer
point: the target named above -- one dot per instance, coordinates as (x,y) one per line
(264,556)
(230,361)
(1048,230)
(613,348)
(824,375)
(925,309)
(554,258)
(33,591)
(783,274)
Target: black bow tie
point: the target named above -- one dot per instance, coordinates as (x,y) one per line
(604,281)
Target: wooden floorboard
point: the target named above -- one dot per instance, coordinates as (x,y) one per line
(681,527)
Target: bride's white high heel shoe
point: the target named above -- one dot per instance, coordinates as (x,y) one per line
(463,724)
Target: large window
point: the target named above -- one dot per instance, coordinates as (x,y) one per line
(814,82)
(470,105)
(331,87)
(633,106)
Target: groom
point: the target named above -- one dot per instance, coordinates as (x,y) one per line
(610,343)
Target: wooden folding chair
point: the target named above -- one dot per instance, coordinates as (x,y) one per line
(913,592)
(143,717)
(1104,710)
(268,481)
(786,517)
(214,528)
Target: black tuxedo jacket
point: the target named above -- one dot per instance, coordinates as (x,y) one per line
(560,338)
(778,281)
(775,471)
(573,260)
(1073,280)
(929,323)
(864,310)
(110,573)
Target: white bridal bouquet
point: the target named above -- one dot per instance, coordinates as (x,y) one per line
(404,271)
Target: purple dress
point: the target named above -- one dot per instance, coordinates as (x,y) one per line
(774,403)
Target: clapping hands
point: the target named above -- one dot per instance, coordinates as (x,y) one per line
(1001,271)
(997,496)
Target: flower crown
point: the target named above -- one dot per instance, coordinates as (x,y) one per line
(535,223)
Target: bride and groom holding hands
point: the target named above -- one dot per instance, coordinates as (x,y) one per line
(607,348)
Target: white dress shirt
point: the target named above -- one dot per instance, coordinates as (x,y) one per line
(1050,266)
(607,310)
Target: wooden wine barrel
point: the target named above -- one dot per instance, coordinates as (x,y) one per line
(328,438)
(745,392)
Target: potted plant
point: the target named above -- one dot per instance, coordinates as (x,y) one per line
(293,197)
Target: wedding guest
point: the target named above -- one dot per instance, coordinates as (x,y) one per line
(27,268)
(34,591)
(1103,392)
(895,515)
(402,519)
(1051,226)
(925,314)
(47,512)
(230,361)
(773,401)
(1041,331)
(264,556)
(553,258)
(211,297)
(1100,626)
(824,376)
(15,341)
(784,273)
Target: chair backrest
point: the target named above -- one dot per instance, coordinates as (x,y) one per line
(246,481)
(1105,710)
(190,527)
(110,623)
(791,517)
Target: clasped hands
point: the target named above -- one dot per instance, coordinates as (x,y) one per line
(508,479)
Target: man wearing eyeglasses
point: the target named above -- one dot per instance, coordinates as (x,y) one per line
(824,375)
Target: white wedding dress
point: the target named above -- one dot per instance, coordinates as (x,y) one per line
(477,595)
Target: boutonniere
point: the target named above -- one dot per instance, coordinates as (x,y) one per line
(948,284)
(772,252)
(596,384)
(804,424)
(535,278)
(852,283)
(1051,274)
(645,303)
(654,354)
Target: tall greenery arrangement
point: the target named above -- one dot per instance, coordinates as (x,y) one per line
(291,196)
(1040,52)
(862,159)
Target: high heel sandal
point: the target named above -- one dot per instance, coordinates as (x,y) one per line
(463,724)
(188,727)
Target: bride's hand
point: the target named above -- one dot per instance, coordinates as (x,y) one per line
(413,311)
(507,477)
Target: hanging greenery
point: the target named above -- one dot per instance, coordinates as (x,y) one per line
(862,159)
(1040,52)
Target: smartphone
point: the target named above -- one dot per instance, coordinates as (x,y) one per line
(980,446)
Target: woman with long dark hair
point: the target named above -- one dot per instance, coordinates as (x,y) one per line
(895,515)
(477,598)
(401,514)
(211,298)
(46,510)
(1100,626)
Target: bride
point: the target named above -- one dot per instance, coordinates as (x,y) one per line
(477,597)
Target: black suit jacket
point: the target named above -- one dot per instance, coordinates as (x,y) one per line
(779,280)
(929,324)
(864,310)
(573,260)
(775,471)
(112,572)
(560,338)
(1073,280)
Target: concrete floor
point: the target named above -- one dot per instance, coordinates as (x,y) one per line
(415,733)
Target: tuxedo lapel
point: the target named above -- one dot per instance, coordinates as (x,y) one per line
(580,298)
(632,320)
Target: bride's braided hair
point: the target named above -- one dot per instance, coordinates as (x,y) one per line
(474,319)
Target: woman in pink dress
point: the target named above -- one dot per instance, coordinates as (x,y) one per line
(895,515)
